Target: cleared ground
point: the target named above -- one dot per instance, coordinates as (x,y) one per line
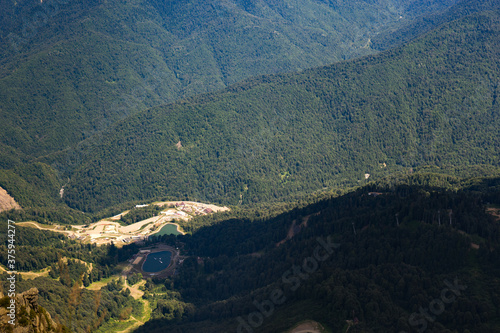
(495,212)
(7,202)
(107,230)
(308,327)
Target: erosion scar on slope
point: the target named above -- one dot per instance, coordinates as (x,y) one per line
(7,202)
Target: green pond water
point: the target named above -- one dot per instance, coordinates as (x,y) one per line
(157,261)
(168,229)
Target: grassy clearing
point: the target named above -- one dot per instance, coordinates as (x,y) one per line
(99,284)
(117,326)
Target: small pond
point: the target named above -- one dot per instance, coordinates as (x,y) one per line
(168,229)
(157,261)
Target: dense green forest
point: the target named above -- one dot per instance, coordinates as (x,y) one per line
(425,23)
(38,249)
(72,265)
(394,245)
(364,195)
(69,69)
(382,257)
(81,310)
(432,103)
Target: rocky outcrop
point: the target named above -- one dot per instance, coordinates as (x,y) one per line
(30,317)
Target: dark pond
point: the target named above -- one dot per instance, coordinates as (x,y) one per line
(157,261)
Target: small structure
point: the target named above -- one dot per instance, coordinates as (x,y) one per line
(137,260)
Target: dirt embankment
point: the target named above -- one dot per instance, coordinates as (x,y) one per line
(495,212)
(308,327)
(7,202)
(295,229)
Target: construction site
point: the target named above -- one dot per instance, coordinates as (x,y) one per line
(110,230)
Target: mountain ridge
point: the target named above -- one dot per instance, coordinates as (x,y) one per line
(429,102)
(89,64)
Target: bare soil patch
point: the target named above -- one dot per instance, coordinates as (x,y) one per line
(495,212)
(308,327)
(108,230)
(295,229)
(135,292)
(7,202)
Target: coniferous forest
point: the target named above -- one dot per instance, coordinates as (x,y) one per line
(429,103)
(355,143)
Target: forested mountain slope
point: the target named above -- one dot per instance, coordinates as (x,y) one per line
(428,21)
(387,258)
(69,69)
(394,246)
(60,268)
(431,102)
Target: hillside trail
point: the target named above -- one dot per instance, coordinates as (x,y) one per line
(30,275)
